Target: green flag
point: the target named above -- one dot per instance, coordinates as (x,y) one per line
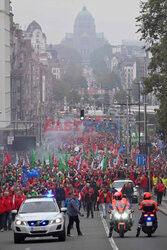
(66,161)
(50,161)
(33,161)
(43,163)
(105,163)
(61,166)
(96,154)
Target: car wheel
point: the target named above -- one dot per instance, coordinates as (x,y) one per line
(18,238)
(62,236)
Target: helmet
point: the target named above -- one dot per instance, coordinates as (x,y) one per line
(146,196)
(118,195)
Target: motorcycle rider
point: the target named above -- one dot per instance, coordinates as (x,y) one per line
(117,200)
(147,205)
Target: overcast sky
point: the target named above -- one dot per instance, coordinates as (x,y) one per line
(116,18)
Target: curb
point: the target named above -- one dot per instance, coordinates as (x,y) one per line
(162,210)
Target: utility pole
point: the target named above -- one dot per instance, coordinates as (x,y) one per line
(128,126)
(145,124)
(139,112)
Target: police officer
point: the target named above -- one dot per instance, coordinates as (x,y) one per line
(147,205)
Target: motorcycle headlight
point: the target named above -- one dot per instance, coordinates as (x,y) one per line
(19,223)
(117,215)
(57,220)
(124,216)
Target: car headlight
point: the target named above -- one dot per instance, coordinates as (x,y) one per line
(19,223)
(57,220)
(117,215)
(124,216)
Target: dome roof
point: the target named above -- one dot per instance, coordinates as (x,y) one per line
(84,14)
(33,26)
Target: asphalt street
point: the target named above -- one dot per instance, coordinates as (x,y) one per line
(95,237)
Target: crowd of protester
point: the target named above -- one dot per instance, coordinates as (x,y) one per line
(92,185)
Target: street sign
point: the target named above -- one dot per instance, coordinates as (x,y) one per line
(137,151)
(141,160)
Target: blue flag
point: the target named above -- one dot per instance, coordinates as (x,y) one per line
(25,176)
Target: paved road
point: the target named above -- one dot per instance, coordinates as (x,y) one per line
(94,238)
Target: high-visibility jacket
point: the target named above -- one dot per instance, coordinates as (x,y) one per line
(148,203)
(155,180)
(164,180)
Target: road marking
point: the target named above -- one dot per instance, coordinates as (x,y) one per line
(28,248)
(111,240)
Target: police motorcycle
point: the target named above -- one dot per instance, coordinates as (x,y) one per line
(149,224)
(120,217)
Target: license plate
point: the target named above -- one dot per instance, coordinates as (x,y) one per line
(38,228)
(149,224)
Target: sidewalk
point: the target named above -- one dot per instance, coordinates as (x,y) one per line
(163,206)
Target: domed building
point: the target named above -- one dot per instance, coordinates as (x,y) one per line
(84,39)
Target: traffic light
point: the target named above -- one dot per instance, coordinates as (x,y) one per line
(126,162)
(82,115)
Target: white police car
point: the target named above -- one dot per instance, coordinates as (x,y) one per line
(118,185)
(39,217)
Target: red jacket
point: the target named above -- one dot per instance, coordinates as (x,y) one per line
(8,203)
(102,198)
(2,207)
(144,183)
(19,201)
(85,191)
(160,188)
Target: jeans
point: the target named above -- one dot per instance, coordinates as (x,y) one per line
(89,208)
(129,198)
(7,220)
(159,197)
(104,209)
(2,217)
(71,222)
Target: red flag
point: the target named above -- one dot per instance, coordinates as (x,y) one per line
(84,165)
(85,139)
(70,163)
(74,161)
(94,147)
(55,161)
(7,159)
(53,158)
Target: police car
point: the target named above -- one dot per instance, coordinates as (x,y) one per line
(39,217)
(118,185)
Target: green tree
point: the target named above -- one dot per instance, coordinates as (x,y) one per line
(109,80)
(152,24)
(121,96)
(74,78)
(60,89)
(73,97)
(69,54)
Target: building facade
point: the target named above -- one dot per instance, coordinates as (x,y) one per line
(37,37)
(5,107)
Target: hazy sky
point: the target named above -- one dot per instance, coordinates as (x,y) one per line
(116,18)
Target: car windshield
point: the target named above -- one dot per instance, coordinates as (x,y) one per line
(39,207)
(120,184)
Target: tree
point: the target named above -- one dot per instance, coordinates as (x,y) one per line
(69,54)
(121,96)
(152,24)
(109,80)
(60,89)
(74,78)
(73,97)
